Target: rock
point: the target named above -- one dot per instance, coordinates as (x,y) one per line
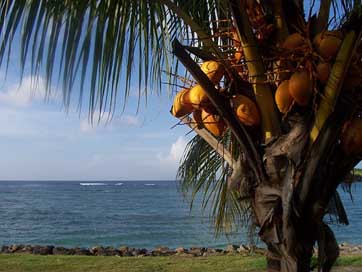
(180,250)
(81,251)
(94,250)
(355,248)
(27,249)
(125,251)
(243,249)
(62,251)
(139,251)
(42,250)
(4,249)
(232,248)
(197,251)
(104,251)
(14,248)
(214,252)
(162,251)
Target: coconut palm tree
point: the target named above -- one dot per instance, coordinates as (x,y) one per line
(275,104)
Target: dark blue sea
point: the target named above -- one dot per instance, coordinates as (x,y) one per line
(134,213)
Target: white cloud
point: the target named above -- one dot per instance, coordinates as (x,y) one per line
(23,95)
(175,153)
(103,121)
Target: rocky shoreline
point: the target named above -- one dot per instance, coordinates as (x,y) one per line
(244,250)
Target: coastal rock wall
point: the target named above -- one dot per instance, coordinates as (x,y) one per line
(345,249)
(128,251)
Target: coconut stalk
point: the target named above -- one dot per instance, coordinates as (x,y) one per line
(280,23)
(211,140)
(225,111)
(203,36)
(334,83)
(256,69)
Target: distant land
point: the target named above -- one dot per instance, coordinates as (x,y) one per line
(357,172)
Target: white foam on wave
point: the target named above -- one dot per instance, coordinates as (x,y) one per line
(92,184)
(150,184)
(120,183)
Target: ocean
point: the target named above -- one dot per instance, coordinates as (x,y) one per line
(142,214)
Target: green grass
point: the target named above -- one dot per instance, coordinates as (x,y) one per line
(35,263)
(30,263)
(357,172)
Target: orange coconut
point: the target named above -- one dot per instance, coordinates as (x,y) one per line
(351,137)
(213,70)
(283,98)
(301,87)
(328,43)
(198,97)
(181,104)
(293,41)
(246,110)
(213,123)
(323,70)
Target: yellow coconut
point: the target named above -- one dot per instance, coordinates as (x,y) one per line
(246,110)
(198,97)
(301,87)
(213,70)
(351,137)
(213,123)
(283,98)
(323,70)
(181,104)
(293,41)
(327,43)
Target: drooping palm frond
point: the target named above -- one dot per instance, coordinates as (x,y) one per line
(110,44)
(204,172)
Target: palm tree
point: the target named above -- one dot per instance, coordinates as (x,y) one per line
(286,101)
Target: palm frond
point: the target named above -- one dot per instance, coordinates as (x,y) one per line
(111,43)
(204,173)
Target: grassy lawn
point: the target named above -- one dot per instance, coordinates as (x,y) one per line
(30,263)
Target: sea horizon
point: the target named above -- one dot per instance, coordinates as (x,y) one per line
(135,213)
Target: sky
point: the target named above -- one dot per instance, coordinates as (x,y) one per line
(40,140)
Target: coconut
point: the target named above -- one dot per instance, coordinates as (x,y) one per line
(198,97)
(246,110)
(351,137)
(283,98)
(323,70)
(181,104)
(301,87)
(213,70)
(328,43)
(213,123)
(238,55)
(293,41)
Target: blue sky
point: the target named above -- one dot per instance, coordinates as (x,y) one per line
(41,141)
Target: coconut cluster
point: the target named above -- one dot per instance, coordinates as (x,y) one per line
(312,74)
(313,69)
(195,101)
